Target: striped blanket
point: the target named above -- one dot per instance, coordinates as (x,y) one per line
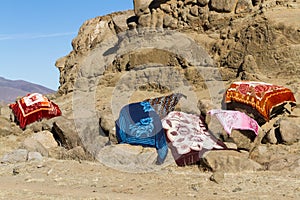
(165,104)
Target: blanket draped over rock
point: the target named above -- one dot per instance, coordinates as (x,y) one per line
(34,107)
(235,120)
(263,97)
(139,124)
(165,104)
(188,137)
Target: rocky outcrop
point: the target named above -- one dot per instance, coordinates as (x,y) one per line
(166,44)
(91,34)
(191,46)
(239,35)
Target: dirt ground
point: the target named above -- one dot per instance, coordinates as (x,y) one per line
(57,179)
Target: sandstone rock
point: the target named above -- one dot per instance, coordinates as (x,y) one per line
(144,20)
(35,156)
(256,2)
(45,138)
(244,6)
(265,153)
(235,59)
(166,8)
(154,18)
(242,138)
(5,127)
(131,158)
(289,132)
(189,1)
(160,19)
(217,177)
(249,69)
(215,127)
(202,2)
(195,10)
(169,21)
(229,161)
(223,5)
(231,145)
(6,112)
(271,137)
(140,6)
(34,146)
(77,153)
(289,163)
(39,126)
(65,130)
(19,155)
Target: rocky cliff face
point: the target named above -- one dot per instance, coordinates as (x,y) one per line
(245,39)
(190,46)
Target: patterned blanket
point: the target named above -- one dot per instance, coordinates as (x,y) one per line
(34,107)
(188,137)
(165,104)
(235,120)
(139,124)
(263,97)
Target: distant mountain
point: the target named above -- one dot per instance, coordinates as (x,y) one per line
(11,89)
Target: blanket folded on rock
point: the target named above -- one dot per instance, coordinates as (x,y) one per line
(188,137)
(235,120)
(34,107)
(139,124)
(165,104)
(263,97)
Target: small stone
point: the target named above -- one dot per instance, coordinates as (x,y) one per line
(217,177)
(16,171)
(237,189)
(34,156)
(195,10)
(203,2)
(166,8)
(19,155)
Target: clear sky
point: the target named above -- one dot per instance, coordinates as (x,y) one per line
(35,33)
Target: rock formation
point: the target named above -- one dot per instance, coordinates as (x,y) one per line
(194,46)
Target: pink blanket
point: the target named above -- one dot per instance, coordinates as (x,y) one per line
(235,120)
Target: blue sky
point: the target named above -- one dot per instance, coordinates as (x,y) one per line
(35,33)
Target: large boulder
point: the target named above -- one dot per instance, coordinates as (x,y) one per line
(289,131)
(223,5)
(141,7)
(288,163)
(229,161)
(16,156)
(131,158)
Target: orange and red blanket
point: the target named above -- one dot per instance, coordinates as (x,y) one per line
(261,96)
(34,107)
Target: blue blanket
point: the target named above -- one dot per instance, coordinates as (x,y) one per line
(139,124)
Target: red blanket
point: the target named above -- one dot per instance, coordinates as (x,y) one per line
(34,107)
(262,96)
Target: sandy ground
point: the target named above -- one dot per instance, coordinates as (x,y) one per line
(57,179)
